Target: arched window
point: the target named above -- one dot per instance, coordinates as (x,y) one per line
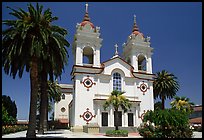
(129,60)
(88,55)
(141,63)
(63,96)
(117,81)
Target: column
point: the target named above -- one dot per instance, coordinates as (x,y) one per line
(111,121)
(125,120)
(134,63)
(136,117)
(99,115)
(149,66)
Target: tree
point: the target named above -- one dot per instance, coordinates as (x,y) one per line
(54,94)
(182,104)
(117,99)
(165,85)
(27,40)
(158,105)
(10,106)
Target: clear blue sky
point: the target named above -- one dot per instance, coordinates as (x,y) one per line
(175,29)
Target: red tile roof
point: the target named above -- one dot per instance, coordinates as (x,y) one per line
(63,121)
(196,120)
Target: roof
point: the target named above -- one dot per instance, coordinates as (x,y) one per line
(196,120)
(118,58)
(197,108)
(63,120)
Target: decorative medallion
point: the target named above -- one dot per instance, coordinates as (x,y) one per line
(87,116)
(143,87)
(142,115)
(88,83)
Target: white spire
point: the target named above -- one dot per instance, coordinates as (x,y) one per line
(86,7)
(135,19)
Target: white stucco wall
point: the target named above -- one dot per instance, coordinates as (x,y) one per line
(58,114)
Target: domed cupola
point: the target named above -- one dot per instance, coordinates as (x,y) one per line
(87,18)
(135,29)
(87,43)
(137,51)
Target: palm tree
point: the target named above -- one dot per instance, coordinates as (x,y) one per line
(27,40)
(117,99)
(165,85)
(183,104)
(54,94)
(158,105)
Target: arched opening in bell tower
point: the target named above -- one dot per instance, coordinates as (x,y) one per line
(88,55)
(142,63)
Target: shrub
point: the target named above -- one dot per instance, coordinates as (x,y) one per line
(7,129)
(117,133)
(168,123)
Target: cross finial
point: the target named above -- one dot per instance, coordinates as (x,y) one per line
(87,7)
(116,49)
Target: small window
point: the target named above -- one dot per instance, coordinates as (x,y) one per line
(63,109)
(130,119)
(117,81)
(88,55)
(104,118)
(129,61)
(63,96)
(141,63)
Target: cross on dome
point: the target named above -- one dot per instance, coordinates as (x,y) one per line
(86,17)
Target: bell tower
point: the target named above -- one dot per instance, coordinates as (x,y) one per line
(87,43)
(137,51)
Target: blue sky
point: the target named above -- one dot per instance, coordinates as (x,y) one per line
(175,29)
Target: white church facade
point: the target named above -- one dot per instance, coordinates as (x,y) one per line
(82,102)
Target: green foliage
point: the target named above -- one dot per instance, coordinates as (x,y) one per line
(10,106)
(6,119)
(165,85)
(158,105)
(117,99)
(117,133)
(13,128)
(168,123)
(182,104)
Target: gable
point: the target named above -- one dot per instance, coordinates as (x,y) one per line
(117,64)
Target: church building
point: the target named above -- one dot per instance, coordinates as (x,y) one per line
(93,80)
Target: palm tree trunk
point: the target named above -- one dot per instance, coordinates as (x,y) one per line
(116,119)
(33,99)
(43,103)
(163,101)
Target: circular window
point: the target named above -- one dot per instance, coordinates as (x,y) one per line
(63,109)
(88,82)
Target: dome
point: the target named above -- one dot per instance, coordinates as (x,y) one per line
(83,23)
(87,19)
(135,29)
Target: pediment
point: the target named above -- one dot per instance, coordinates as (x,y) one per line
(117,63)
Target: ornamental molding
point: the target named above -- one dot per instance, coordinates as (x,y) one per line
(88,83)
(143,87)
(87,116)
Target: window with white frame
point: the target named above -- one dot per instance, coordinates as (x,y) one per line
(117,81)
